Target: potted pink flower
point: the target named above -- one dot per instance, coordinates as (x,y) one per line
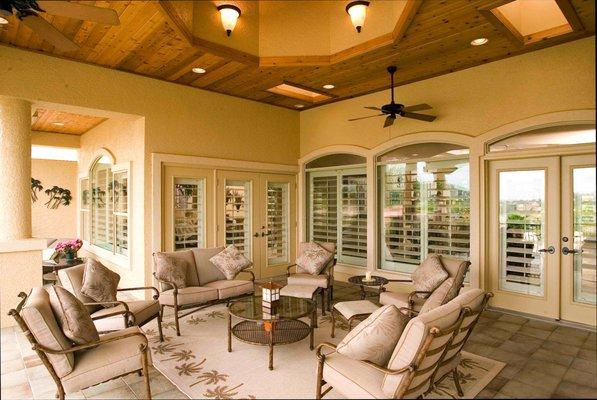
(69,248)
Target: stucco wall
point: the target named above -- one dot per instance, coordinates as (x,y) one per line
(124,139)
(62,221)
(471,102)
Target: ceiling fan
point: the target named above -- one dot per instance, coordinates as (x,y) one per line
(28,11)
(395,109)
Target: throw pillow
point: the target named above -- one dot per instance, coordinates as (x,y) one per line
(439,297)
(171,269)
(375,338)
(99,282)
(429,275)
(230,261)
(313,259)
(72,316)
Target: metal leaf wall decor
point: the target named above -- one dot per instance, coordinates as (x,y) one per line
(58,196)
(35,187)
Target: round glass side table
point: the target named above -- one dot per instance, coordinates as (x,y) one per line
(375,285)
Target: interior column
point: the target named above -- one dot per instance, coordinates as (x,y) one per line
(15,169)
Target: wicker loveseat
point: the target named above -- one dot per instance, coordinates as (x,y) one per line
(205,284)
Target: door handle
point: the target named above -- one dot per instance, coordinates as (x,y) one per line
(550,250)
(266,234)
(256,234)
(566,251)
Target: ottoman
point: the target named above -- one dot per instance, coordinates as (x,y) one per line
(304,292)
(352,310)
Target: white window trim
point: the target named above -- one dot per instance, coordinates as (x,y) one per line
(339,172)
(118,260)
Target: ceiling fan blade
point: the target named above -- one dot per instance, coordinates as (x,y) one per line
(83,12)
(373,108)
(418,107)
(389,121)
(420,117)
(370,116)
(50,34)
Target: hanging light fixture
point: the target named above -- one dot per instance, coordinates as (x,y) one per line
(357,11)
(229,15)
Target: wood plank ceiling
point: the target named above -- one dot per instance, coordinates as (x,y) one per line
(45,120)
(432,38)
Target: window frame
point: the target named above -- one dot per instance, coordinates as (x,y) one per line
(111,256)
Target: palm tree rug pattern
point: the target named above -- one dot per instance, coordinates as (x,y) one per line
(199,364)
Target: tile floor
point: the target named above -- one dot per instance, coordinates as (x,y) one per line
(544,360)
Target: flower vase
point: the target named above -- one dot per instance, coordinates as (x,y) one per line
(70,255)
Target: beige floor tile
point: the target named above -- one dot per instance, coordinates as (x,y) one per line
(566,339)
(575,391)
(551,357)
(577,333)
(586,354)
(158,383)
(506,326)
(584,365)
(514,319)
(11,366)
(10,353)
(538,379)
(547,368)
(534,332)
(43,388)
(122,392)
(543,325)
(486,394)
(172,394)
(20,391)
(518,348)
(560,348)
(496,333)
(38,372)
(14,378)
(508,357)
(521,390)
(581,378)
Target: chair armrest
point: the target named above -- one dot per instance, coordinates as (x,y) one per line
(167,283)
(405,310)
(288,273)
(412,295)
(248,272)
(73,349)
(125,313)
(323,345)
(156,293)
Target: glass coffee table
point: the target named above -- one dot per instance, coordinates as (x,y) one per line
(375,285)
(261,329)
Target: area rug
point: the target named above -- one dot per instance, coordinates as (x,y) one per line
(199,364)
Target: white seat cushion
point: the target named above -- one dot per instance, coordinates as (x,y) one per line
(227,289)
(353,379)
(300,291)
(308,279)
(143,310)
(349,309)
(189,295)
(105,361)
(400,299)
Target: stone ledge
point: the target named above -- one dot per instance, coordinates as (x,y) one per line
(15,246)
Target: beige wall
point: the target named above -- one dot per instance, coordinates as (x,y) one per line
(55,139)
(124,139)
(469,102)
(62,221)
(177,119)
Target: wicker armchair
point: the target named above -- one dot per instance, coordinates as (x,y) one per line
(324,281)
(74,368)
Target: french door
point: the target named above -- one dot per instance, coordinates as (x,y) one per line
(256,213)
(542,236)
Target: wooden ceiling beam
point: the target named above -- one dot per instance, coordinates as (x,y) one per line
(501,23)
(570,13)
(174,21)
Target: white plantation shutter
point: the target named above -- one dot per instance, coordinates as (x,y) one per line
(189,213)
(425,208)
(338,212)
(353,248)
(323,218)
(278,229)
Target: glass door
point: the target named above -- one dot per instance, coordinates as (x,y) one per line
(187,199)
(256,213)
(278,223)
(524,268)
(578,239)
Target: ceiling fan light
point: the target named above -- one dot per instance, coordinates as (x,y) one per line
(357,11)
(229,14)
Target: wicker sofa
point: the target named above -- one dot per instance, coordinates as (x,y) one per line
(205,284)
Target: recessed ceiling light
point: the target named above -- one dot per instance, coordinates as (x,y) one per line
(479,41)
(198,70)
(328,86)
(3,21)
(415,154)
(299,106)
(58,123)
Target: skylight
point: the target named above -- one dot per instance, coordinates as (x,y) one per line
(54,153)
(298,92)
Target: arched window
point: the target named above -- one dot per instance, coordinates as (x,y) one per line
(337,205)
(424,204)
(554,136)
(104,206)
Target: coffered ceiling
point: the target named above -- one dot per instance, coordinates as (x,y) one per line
(424,38)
